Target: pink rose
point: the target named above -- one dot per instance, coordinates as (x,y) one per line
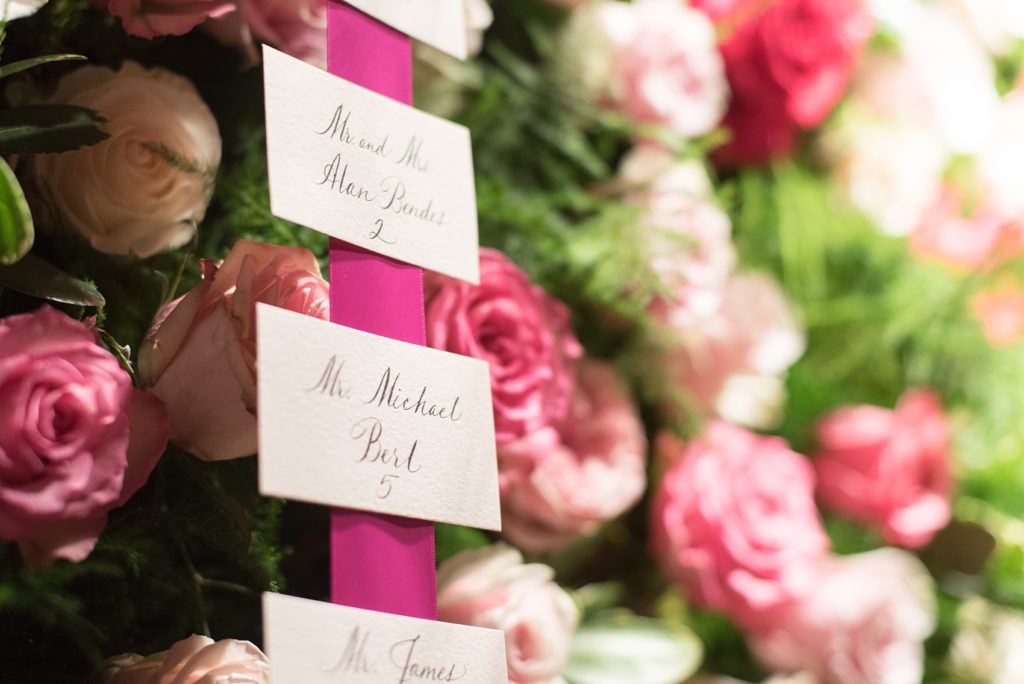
(788,64)
(732,361)
(981,239)
(560,482)
(524,334)
(195,660)
(297,27)
(863,622)
(1000,310)
(149,18)
(199,356)
(492,588)
(734,521)
(890,468)
(689,235)
(664,67)
(75,439)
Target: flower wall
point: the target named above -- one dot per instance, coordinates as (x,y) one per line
(751,298)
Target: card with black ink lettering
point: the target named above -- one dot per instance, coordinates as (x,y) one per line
(320,643)
(348,162)
(351,419)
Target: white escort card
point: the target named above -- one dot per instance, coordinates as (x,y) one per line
(364,168)
(319,643)
(440,23)
(360,421)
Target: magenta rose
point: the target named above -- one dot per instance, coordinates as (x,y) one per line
(149,19)
(199,356)
(864,621)
(890,468)
(76,440)
(560,482)
(734,521)
(788,64)
(522,332)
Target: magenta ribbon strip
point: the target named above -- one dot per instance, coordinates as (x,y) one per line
(378,562)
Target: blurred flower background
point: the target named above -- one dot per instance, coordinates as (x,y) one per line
(751,295)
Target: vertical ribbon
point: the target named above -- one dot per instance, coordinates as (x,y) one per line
(378,562)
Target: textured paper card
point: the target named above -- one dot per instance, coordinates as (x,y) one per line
(440,23)
(320,643)
(355,420)
(348,162)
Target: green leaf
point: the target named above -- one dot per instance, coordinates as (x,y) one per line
(16,230)
(48,128)
(627,649)
(41,279)
(16,67)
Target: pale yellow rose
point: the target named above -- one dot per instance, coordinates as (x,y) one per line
(146,187)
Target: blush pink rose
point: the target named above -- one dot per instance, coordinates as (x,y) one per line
(523,333)
(297,27)
(492,587)
(152,18)
(1000,310)
(732,361)
(560,482)
(195,660)
(665,67)
(688,234)
(734,521)
(199,356)
(981,239)
(864,622)
(890,468)
(76,440)
(788,64)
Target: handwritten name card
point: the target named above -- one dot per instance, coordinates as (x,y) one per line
(348,162)
(440,23)
(352,419)
(320,643)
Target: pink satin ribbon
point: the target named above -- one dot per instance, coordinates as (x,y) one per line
(378,562)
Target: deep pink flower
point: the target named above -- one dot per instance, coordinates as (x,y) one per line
(734,521)
(76,440)
(887,467)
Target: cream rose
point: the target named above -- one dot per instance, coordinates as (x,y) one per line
(146,187)
(493,588)
(195,660)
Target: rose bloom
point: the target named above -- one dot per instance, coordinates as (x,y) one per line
(76,440)
(732,362)
(1000,310)
(297,27)
(863,622)
(168,17)
(492,588)
(666,69)
(998,24)
(524,334)
(887,467)
(146,187)
(787,63)
(965,243)
(195,660)
(560,482)
(689,234)
(199,355)
(734,521)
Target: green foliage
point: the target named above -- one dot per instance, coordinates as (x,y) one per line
(17,231)
(37,278)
